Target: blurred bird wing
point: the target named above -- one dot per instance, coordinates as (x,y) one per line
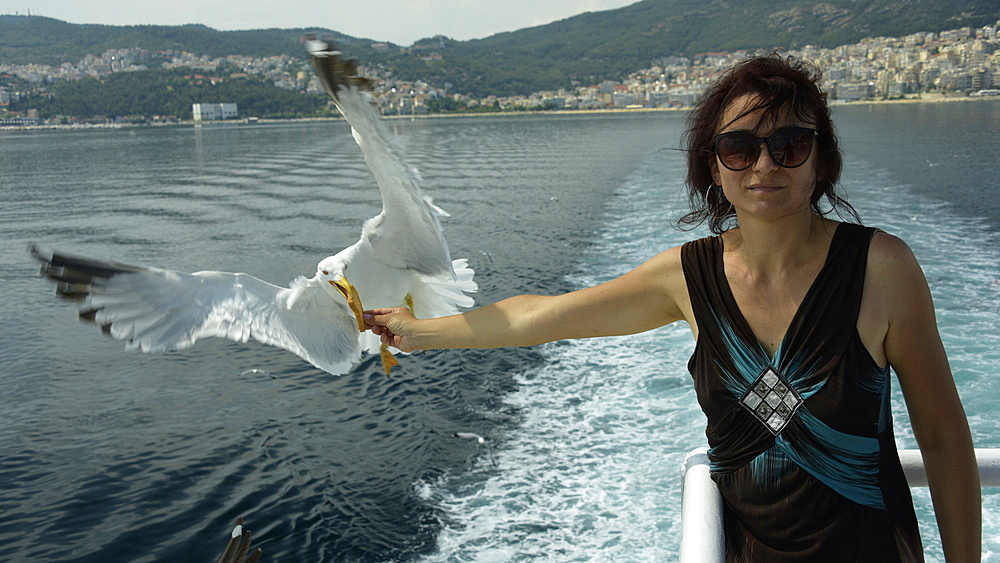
(156,310)
(407,234)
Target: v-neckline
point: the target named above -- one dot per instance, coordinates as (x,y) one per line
(727,290)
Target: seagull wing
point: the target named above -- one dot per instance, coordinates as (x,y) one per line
(402,258)
(155,310)
(407,234)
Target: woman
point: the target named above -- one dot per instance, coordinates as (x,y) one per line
(797,319)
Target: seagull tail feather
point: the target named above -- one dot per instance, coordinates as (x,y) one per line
(334,71)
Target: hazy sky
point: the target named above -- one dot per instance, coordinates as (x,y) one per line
(398,21)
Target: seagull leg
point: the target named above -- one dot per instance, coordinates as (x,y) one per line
(388,360)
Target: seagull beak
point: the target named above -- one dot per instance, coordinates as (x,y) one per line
(353,299)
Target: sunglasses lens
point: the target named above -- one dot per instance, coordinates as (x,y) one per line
(790,147)
(737,150)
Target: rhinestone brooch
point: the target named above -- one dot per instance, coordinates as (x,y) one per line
(772,400)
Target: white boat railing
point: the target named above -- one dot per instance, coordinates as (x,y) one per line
(702,533)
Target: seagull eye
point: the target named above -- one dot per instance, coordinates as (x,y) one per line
(325,273)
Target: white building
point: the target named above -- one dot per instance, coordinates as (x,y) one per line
(213,112)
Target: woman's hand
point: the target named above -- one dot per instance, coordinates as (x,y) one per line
(394,326)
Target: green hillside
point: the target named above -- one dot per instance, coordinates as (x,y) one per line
(40,40)
(584,49)
(137,95)
(608,45)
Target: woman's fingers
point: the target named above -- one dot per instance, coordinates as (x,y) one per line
(378,318)
(389,324)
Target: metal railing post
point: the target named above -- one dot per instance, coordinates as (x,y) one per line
(702,533)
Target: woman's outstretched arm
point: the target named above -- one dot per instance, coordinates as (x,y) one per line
(652,295)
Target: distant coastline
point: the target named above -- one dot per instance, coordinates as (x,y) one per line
(931,98)
(926,98)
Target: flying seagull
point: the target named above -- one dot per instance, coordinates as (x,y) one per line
(401,259)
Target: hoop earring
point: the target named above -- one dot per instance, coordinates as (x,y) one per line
(722,195)
(831,197)
(708,192)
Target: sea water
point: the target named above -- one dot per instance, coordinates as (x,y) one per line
(111,455)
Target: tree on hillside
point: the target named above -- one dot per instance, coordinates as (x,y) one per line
(163,92)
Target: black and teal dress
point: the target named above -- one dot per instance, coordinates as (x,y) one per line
(800,444)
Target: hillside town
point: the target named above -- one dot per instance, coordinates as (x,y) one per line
(956,63)
(959,62)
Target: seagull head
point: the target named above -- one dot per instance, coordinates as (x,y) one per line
(331,271)
(332,265)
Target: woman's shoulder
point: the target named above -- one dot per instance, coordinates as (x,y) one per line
(665,270)
(702,246)
(669,259)
(889,250)
(892,264)
(884,249)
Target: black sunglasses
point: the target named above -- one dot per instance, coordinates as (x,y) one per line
(789,147)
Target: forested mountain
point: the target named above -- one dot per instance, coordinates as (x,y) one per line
(583,49)
(41,40)
(609,44)
(639,32)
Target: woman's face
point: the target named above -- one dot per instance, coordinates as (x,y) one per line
(764,189)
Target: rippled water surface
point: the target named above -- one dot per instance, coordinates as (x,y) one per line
(109,455)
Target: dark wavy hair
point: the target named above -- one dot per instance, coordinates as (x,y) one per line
(779,84)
